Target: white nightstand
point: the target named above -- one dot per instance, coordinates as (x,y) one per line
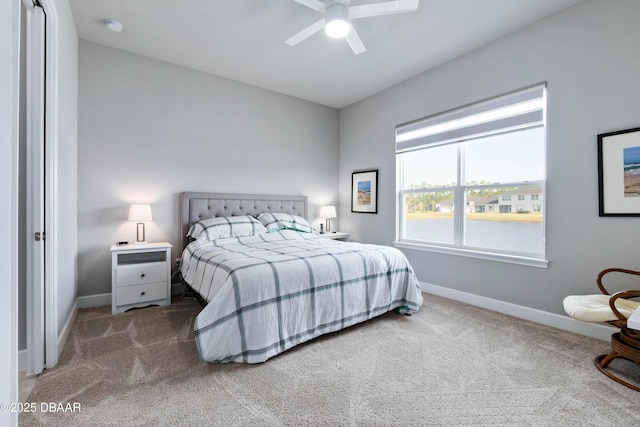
(140,275)
(337,235)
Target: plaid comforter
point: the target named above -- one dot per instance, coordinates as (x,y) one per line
(270,292)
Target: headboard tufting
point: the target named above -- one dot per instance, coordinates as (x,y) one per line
(197,206)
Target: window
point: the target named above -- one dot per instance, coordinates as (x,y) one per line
(480,158)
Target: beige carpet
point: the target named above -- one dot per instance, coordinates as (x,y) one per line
(449,364)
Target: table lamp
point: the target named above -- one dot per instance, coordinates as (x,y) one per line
(328,212)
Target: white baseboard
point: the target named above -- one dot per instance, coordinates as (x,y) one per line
(105,299)
(22,360)
(66,329)
(595,330)
(94,300)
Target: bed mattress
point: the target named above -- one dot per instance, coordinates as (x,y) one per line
(269,292)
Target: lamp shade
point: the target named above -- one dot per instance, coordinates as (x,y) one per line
(328,212)
(140,213)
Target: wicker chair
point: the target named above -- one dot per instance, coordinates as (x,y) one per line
(613,309)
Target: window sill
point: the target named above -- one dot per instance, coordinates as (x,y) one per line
(511,259)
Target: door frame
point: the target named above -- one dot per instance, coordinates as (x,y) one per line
(9,131)
(35,118)
(51,186)
(42,307)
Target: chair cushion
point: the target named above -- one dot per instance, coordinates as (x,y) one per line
(595,308)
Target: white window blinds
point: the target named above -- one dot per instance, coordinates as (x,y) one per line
(517,110)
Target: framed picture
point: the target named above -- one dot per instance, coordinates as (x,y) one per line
(364,191)
(619,173)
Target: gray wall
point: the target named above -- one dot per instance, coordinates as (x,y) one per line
(588,55)
(149,130)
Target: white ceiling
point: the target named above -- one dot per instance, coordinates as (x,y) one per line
(243,40)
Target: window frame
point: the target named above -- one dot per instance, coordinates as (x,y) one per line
(460,191)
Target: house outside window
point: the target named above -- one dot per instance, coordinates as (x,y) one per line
(473,157)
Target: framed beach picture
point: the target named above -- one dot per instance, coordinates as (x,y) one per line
(619,173)
(364,191)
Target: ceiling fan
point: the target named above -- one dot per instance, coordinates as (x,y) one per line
(338,17)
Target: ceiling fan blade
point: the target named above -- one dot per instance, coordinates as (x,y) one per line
(307,32)
(313,4)
(385,8)
(355,42)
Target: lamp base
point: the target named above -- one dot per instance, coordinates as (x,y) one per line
(140,237)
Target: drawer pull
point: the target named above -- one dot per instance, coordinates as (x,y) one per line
(143,293)
(142,275)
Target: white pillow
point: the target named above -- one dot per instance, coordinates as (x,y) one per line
(229,226)
(280,221)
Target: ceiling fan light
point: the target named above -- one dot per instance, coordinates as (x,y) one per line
(337,21)
(337,28)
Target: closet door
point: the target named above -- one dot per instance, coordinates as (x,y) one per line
(36,74)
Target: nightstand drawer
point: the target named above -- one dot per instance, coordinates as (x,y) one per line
(127,275)
(141,293)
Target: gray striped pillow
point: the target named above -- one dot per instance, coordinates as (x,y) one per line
(280,221)
(229,226)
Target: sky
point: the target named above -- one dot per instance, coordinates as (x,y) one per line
(512,157)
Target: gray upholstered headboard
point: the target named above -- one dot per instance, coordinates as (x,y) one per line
(197,206)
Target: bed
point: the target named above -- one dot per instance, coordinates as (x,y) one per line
(269,282)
